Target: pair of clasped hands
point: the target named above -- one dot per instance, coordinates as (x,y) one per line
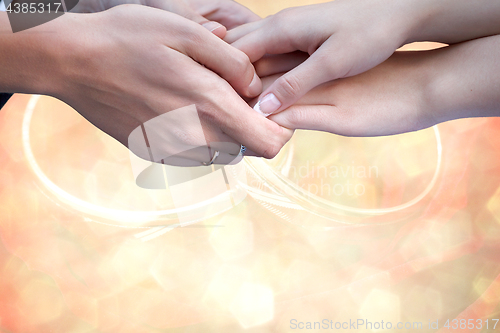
(251,81)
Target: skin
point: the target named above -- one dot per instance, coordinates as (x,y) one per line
(348,37)
(408,92)
(122,67)
(216,15)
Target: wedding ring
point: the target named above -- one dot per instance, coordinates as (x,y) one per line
(216,154)
(242,151)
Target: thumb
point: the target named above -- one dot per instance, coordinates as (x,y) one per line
(291,86)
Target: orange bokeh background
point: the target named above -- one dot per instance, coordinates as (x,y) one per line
(64,272)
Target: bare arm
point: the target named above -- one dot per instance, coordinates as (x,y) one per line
(452,21)
(20,57)
(348,37)
(408,92)
(124,66)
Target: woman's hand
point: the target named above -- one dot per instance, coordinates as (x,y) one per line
(388,99)
(348,37)
(344,38)
(127,65)
(408,92)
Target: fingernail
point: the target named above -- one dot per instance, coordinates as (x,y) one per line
(267,105)
(255,86)
(211,26)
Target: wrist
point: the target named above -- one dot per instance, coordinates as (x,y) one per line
(413,17)
(90,6)
(30,59)
(453,21)
(418,75)
(442,86)
(401,21)
(62,51)
(471,91)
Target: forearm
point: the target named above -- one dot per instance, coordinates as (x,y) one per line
(26,57)
(408,92)
(451,21)
(464,80)
(94,6)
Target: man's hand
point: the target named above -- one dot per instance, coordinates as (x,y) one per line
(124,66)
(229,13)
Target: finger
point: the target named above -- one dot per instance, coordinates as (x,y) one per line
(261,136)
(236,33)
(279,63)
(250,153)
(262,41)
(219,107)
(223,59)
(228,13)
(215,28)
(325,118)
(266,82)
(184,10)
(290,87)
(177,7)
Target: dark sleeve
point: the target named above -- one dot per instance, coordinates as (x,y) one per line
(3,99)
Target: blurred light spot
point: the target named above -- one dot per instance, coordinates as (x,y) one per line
(481,284)
(494,205)
(253,305)
(225,285)
(132,262)
(41,301)
(381,305)
(422,303)
(363,283)
(233,238)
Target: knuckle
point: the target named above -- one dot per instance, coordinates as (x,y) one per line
(284,20)
(289,85)
(271,150)
(208,115)
(274,19)
(190,34)
(241,61)
(296,117)
(276,23)
(284,15)
(239,69)
(274,144)
(194,38)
